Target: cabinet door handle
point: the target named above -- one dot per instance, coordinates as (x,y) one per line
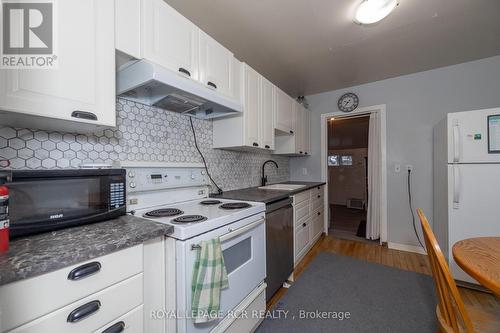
(185,71)
(83,115)
(300,152)
(319,196)
(211,84)
(84,311)
(255,144)
(116,328)
(305,153)
(291,132)
(319,213)
(304,224)
(83,271)
(267,146)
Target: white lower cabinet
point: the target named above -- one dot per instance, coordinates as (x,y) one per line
(309,220)
(131,322)
(92,312)
(302,236)
(112,292)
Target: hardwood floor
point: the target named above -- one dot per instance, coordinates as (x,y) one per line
(385,256)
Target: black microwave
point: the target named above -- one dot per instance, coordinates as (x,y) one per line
(46,200)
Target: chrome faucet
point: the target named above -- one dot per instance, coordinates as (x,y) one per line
(264,177)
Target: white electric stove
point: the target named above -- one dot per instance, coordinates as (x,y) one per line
(179,196)
(194,217)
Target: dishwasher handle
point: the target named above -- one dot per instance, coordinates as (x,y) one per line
(283,203)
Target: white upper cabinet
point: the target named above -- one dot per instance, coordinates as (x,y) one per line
(267,110)
(169,39)
(255,128)
(128,27)
(299,128)
(217,66)
(298,143)
(251,111)
(284,121)
(302,143)
(80,94)
(307,131)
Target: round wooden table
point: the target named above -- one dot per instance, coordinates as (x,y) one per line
(480,258)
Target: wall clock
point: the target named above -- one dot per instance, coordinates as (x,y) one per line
(348,102)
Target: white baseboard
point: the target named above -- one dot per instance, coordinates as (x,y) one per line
(407,248)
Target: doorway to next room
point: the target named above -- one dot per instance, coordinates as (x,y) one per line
(348,176)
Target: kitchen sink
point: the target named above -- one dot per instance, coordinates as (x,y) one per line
(282,187)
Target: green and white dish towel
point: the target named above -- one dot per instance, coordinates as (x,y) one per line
(209,278)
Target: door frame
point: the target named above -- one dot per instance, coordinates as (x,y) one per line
(381,110)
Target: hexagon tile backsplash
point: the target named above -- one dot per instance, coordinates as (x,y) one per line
(143,133)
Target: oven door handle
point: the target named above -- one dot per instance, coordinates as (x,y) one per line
(232,234)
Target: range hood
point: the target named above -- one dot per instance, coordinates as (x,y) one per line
(147,83)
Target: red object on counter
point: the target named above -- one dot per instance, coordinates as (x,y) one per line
(4,218)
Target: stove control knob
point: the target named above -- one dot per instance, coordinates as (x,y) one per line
(132,185)
(131,174)
(193,176)
(203,172)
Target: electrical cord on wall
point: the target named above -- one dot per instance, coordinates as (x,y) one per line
(219,190)
(410,203)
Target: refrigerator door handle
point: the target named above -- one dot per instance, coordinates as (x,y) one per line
(456,142)
(456,187)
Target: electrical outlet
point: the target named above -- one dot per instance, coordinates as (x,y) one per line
(409,167)
(397,168)
(304,171)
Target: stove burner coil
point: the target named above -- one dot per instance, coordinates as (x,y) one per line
(235,205)
(164,212)
(210,202)
(189,219)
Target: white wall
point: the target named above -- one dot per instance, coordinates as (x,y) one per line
(415,103)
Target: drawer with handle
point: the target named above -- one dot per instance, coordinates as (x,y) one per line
(131,322)
(317,204)
(91,312)
(25,300)
(299,197)
(301,211)
(301,237)
(317,192)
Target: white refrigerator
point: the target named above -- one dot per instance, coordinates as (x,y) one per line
(466,180)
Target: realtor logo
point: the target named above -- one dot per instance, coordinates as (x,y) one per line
(28,34)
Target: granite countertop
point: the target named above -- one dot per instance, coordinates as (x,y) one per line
(38,254)
(266,196)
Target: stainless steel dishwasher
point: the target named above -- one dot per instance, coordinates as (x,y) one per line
(279,244)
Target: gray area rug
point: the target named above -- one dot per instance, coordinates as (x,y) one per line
(378,298)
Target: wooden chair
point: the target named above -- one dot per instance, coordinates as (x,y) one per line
(452,315)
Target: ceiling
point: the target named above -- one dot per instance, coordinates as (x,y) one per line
(311,46)
(349,133)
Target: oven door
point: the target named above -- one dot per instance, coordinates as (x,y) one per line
(244,250)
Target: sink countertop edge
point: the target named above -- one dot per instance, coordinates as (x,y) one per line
(267,195)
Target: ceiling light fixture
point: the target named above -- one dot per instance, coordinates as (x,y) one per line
(372,11)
